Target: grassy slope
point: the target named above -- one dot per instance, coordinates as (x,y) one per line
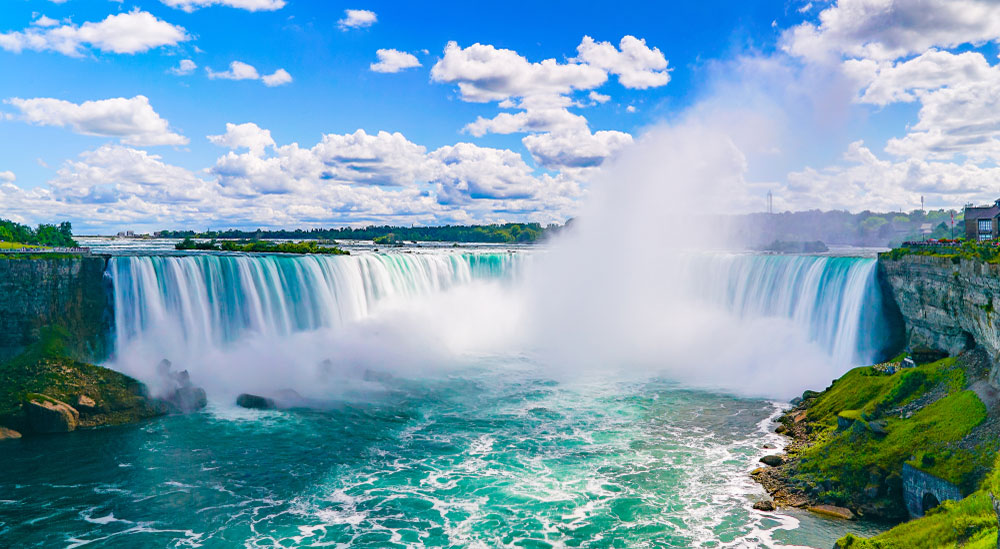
(969,523)
(937,413)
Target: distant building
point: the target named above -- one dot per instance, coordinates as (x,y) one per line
(126,234)
(982,222)
(926,229)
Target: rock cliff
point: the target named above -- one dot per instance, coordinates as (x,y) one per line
(67,291)
(947,302)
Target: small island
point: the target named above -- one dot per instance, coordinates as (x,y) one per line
(260,246)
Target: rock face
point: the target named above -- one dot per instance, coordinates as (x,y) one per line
(948,303)
(832,511)
(255,402)
(71,292)
(48,415)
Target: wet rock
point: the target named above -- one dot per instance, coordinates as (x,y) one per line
(255,402)
(773,460)
(871,491)
(8,434)
(832,511)
(768,447)
(48,415)
(764,505)
(781,429)
(188,399)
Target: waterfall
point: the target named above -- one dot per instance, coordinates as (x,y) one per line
(835,300)
(213,300)
(231,317)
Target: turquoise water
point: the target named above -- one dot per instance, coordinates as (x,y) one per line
(414,443)
(491,457)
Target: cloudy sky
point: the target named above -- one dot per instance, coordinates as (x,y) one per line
(149,114)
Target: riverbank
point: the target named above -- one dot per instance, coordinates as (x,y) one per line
(890,443)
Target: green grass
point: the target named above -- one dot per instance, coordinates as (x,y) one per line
(16,245)
(969,523)
(846,461)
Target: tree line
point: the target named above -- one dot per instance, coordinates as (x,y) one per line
(495,233)
(60,235)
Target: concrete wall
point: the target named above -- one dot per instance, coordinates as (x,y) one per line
(71,292)
(917,484)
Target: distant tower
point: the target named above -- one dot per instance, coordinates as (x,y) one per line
(770,202)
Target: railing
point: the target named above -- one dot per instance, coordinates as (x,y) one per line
(56,250)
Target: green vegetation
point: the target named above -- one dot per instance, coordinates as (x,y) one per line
(388,240)
(310,247)
(45,235)
(970,523)
(47,368)
(865,228)
(497,233)
(988,252)
(919,416)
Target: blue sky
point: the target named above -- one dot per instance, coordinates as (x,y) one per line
(149,163)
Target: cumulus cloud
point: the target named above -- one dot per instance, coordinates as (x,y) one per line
(580,149)
(7,176)
(132,120)
(131,32)
(44,21)
(394,61)
(890,29)
(866,182)
(484,73)
(637,65)
(244,136)
(249,5)
(357,19)
(598,97)
(279,77)
(186,66)
(239,70)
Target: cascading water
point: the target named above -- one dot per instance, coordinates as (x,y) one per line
(827,296)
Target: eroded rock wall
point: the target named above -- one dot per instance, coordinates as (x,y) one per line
(948,304)
(68,292)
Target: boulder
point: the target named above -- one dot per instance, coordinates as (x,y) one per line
(879,427)
(768,447)
(832,511)
(8,434)
(188,399)
(48,415)
(764,505)
(255,402)
(85,405)
(773,460)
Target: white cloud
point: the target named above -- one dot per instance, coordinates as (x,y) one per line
(132,32)
(132,120)
(598,97)
(532,120)
(186,66)
(279,77)
(485,73)
(866,182)
(357,19)
(44,21)
(637,65)
(239,70)
(394,61)
(244,136)
(630,109)
(249,5)
(7,176)
(890,29)
(579,149)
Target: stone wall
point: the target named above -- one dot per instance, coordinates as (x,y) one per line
(948,304)
(71,292)
(920,487)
